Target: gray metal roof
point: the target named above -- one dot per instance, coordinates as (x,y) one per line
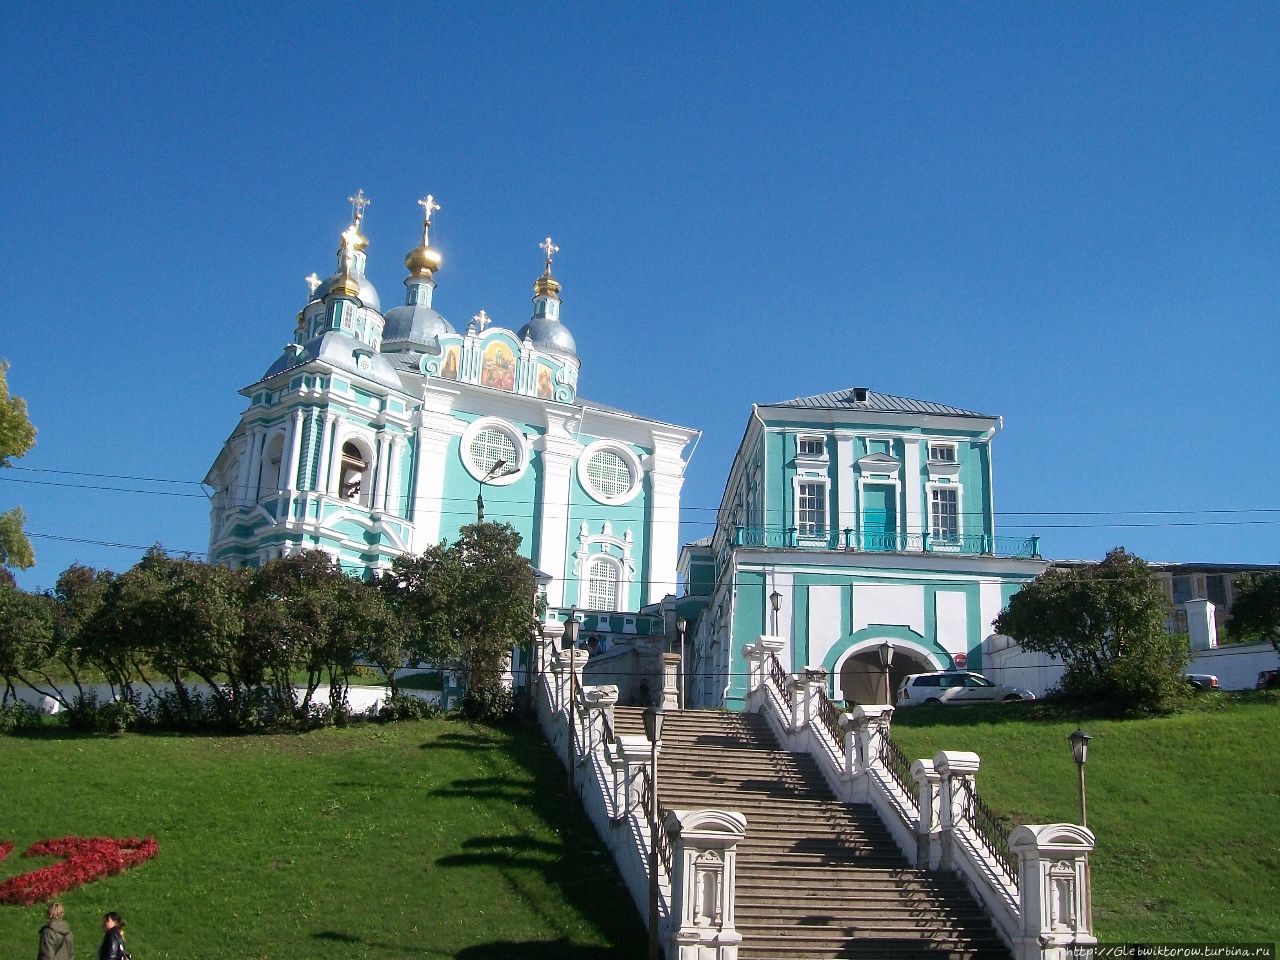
(877,403)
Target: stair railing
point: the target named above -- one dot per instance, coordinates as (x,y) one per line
(990,829)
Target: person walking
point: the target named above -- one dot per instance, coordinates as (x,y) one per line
(112,938)
(56,942)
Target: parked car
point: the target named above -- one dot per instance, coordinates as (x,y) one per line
(1268,679)
(956,687)
(1201,681)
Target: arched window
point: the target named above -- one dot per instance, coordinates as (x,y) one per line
(269,483)
(602,584)
(353,483)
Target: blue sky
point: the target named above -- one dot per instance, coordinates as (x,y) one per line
(1062,214)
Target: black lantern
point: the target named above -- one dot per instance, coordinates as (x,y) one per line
(775,601)
(493,472)
(653,719)
(1080,752)
(682,627)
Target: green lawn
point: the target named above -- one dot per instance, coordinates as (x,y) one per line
(1186,808)
(414,840)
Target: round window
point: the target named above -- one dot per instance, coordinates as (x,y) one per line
(489,446)
(609,474)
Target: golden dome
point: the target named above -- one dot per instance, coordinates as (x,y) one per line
(353,239)
(345,286)
(422,261)
(546,285)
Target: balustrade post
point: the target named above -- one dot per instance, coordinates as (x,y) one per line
(634,751)
(704,875)
(598,703)
(956,771)
(793,538)
(671,681)
(758,655)
(850,746)
(797,693)
(814,680)
(1055,890)
(927,826)
(872,724)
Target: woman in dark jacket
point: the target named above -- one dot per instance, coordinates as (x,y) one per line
(112,938)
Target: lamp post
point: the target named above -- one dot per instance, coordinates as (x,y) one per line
(493,472)
(886,661)
(682,625)
(653,718)
(1080,751)
(775,601)
(570,643)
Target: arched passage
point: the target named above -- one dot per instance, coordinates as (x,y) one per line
(854,664)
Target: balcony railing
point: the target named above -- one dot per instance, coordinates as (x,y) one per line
(862,541)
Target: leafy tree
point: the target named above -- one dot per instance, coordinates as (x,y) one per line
(26,629)
(423,591)
(1256,611)
(17,436)
(1107,623)
(84,631)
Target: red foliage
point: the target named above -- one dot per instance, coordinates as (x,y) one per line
(5,847)
(85,859)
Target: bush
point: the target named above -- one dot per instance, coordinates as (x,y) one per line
(18,718)
(402,707)
(488,704)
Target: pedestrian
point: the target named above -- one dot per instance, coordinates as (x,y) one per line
(112,938)
(56,942)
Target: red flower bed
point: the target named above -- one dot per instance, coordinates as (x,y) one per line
(85,859)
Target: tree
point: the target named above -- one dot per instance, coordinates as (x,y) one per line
(422,590)
(1256,611)
(26,629)
(1107,623)
(17,436)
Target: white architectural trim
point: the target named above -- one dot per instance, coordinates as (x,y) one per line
(512,471)
(928,496)
(629,458)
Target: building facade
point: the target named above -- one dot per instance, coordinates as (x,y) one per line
(374,433)
(869,520)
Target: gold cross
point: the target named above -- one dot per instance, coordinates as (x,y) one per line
(550,248)
(358,203)
(313,282)
(429,206)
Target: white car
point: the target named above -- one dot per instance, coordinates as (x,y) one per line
(956,687)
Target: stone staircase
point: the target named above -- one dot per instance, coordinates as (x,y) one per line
(816,878)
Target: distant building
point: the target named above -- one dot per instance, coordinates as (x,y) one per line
(373,434)
(870,520)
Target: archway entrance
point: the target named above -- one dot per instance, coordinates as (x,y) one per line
(862,677)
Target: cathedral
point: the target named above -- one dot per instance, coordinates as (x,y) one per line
(376,434)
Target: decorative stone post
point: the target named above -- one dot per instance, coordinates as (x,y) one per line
(704,869)
(871,724)
(956,770)
(634,751)
(598,703)
(814,681)
(1057,899)
(671,681)
(757,655)
(927,826)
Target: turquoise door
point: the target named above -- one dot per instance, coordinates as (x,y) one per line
(879,517)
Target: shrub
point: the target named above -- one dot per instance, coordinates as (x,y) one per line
(403,707)
(18,718)
(488,704)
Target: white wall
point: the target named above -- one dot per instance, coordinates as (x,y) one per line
(1236,666)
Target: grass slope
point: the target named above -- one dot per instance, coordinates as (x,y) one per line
(1186,808)
(414,840)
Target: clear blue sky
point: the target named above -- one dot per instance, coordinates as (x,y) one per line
(1063,214)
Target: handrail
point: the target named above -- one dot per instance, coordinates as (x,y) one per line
(989,828)
(778,675)
(830,714)
(896,764)
(656,830)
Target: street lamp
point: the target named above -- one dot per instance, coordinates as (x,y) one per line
(682,625)
(653,718)
(570,643)
(1080,751)
(493,472)
(886,661)
(775,601)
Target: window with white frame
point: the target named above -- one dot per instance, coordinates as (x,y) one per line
(602,585)
(942,452)
(944,525)
(489,446)
(609,474)
(811,447)
(811,509)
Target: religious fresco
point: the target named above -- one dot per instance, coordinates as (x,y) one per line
(499,367)
(546,389)
(449,369)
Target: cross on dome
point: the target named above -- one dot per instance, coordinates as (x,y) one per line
(358,203)
(313,282)
(550,248)
(481,320)
(429,206)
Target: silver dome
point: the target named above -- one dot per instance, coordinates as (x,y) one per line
(338,350)
(415,322)
(368,295)
(549,335)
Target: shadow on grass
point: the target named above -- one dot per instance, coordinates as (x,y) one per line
(395,949)
(549,844)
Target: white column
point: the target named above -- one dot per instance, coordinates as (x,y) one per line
(324,438)
(295,451)
(845,483)
(1055,891)
(240,495)
(559,450)
(428,485)
(667,476)
(335,455)
(704,867)
(255,465)
(912,485)
(378,496)
(391,502)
